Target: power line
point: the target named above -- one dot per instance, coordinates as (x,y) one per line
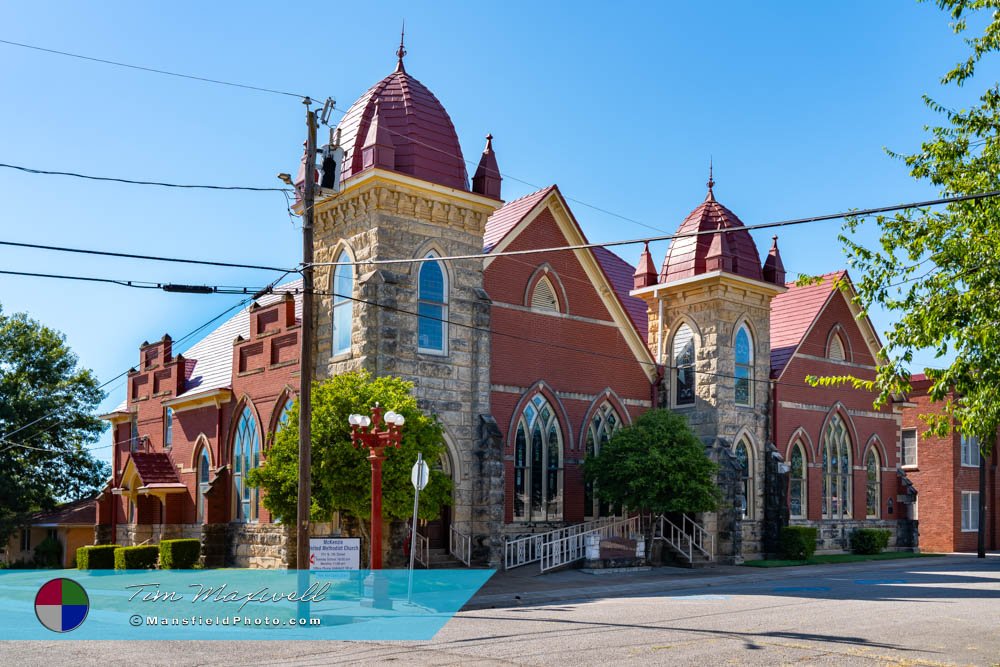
(44,172)
(151,69)
(669,237)
(154,258)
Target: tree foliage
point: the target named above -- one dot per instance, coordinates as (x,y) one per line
(657,464)
(341,473)
(47,405)
(938,270)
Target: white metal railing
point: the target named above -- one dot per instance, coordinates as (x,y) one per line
(571,548)
(423,547)
(528,548)
(460,546)
(685,538)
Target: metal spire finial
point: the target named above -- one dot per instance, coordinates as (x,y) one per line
(401,52)
(711,181)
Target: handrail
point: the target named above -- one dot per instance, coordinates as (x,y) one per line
(460,545)
(570,548)
(423,553)
(528,548)
(687,537)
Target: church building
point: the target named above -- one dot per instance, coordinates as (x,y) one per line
(530,361)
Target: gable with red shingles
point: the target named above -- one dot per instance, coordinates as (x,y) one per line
(792,314)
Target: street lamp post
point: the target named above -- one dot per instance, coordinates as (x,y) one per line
(377,433)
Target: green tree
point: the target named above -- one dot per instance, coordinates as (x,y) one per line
(656,465)
(937,270)
(47,406)
(341,473)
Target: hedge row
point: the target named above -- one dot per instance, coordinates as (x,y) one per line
(179,554)
(99,557)
(172,555)
(798,542)
(136,558)
(870,540)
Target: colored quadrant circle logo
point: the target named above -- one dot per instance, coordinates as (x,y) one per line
(61,605)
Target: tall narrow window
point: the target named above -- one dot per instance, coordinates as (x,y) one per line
(286,412)
(246,457)
(970,511)
(744,367)
(873,485)
(204,470)
(168,427)
(683,363)
(602,426)
(744,457)
(343,306)
(797,495)
(836,470)
(538,470)
(432,307)
(909,447)
(134,433)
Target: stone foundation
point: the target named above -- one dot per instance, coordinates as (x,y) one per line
(128,535)
(261,545)
(834,536)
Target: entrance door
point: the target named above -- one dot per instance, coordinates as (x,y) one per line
(438,531)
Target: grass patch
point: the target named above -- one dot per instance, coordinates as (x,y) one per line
(830,559)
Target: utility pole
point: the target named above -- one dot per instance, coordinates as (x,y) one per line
(306,353)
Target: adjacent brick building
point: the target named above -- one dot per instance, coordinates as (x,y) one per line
(945,469)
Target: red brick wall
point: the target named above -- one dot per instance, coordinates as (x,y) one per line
(854,406)
(940,478)
(560,357)
(266,386)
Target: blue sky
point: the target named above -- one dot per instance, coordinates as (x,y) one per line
(621,105)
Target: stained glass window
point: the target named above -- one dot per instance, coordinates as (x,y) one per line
(246,457)
(602,426)
(797,483)
(538,463)
(744,458)
(343,306)
(432,307)
(683,363)
(836,470)
(744,367)
(873,485)
(204,466)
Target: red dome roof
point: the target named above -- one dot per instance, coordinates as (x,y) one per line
(425,142)
(733,252)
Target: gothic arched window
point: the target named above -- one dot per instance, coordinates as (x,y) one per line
(837,351)
(432,307)
(343,306)
(538,471)
(204,470)
(873,485)
(682,358)
(744,458)
(836,449)
(543,296)
(246,457)
(286,412)
(602,426)
(744,367)
(797,485)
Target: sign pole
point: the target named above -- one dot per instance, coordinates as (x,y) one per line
(419,482)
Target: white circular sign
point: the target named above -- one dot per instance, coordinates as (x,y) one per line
(420,475)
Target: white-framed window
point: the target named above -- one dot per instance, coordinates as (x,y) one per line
(682,359)
(246,457)
(168,428)
(836,449)
(26,539)
(538,469)
(970,511)
(543,296)
(797,484)
(970,451)
(432,307)
(744,457)
(909,447)
(873,484)
(837,351)
(343,306)
(204,471)
(744,366)
(602,426)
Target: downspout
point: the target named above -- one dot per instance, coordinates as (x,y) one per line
(660,368)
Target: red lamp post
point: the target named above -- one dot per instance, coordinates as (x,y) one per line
(377,433)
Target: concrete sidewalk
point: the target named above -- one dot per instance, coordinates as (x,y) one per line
(525,586)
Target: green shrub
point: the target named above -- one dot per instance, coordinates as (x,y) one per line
(870,540)
(179,554)
(798,542)
(48,553)
(96,557)
(136,558)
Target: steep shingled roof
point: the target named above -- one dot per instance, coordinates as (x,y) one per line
(619,273)
(78,513)
(506,218)
(792,313)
